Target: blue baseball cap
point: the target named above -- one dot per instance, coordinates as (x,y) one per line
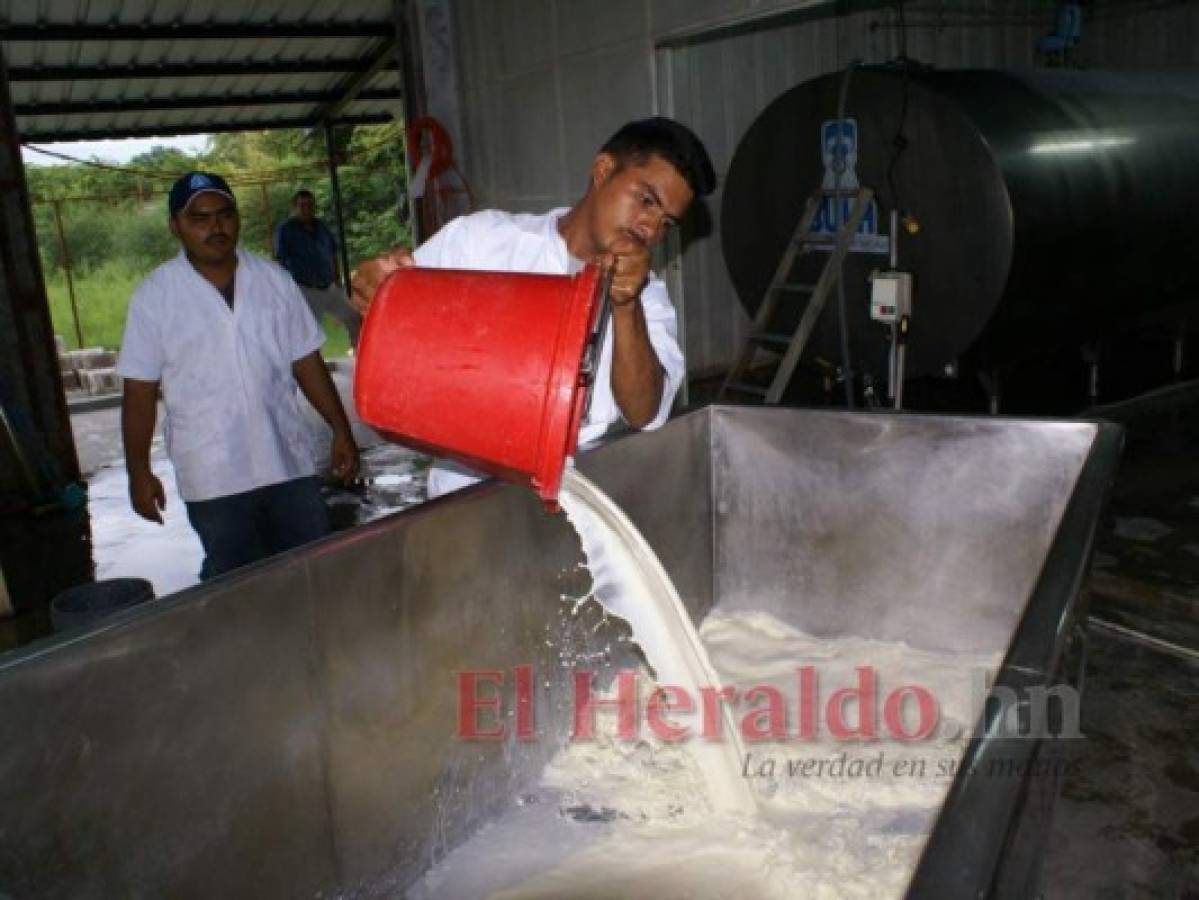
(193,184)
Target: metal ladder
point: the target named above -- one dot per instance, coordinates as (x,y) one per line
(760,337)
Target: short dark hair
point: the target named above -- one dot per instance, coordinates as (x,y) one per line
(671,140)
(303,192)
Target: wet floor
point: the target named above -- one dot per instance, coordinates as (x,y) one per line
(392,479)
(123,544)
(170,556)
(1127,825)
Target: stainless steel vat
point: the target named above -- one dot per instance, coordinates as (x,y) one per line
(288,730)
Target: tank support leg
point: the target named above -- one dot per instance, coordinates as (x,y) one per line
(990,383)
(1090,356)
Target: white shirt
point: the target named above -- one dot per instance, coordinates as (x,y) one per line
(233,416)
(503,242)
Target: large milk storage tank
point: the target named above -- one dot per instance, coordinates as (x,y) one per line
(1053,206)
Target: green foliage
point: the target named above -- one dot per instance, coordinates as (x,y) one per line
(115,224)
(89,238)
(370,188)
(142,236)
(162,159)
(101,297)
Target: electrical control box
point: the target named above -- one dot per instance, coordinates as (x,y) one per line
(890,296)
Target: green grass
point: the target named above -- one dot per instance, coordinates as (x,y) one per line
(337,342)
(102,296)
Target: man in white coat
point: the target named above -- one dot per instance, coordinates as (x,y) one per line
(641,184)
(227,336)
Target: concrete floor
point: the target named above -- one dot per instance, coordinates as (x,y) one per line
(1127,825)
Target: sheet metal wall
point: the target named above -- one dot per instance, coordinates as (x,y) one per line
(544,81)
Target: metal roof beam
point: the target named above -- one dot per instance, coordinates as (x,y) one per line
(189,70)
(193,31)
(215,101)
(355,85)
(50,137)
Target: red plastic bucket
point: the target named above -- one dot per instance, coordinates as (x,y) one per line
(481,367)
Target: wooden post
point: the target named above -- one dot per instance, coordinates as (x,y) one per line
(29,363)
(66,267)
(335,191)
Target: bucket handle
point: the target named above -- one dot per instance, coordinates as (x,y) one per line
(591,354)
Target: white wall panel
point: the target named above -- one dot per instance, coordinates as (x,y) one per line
(668,16)
(527,172)
(623,20)
(601,90)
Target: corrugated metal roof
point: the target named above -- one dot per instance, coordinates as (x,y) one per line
(83,69)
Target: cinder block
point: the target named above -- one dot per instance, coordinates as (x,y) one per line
(92,358)
(78,358)
(100,381)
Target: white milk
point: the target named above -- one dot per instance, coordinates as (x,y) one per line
(612,818)
(629,581)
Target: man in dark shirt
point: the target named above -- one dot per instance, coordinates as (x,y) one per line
(308,250)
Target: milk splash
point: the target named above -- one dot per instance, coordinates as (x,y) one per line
(628,579)
(616,819)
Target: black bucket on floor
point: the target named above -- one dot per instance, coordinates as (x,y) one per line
(86,604)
